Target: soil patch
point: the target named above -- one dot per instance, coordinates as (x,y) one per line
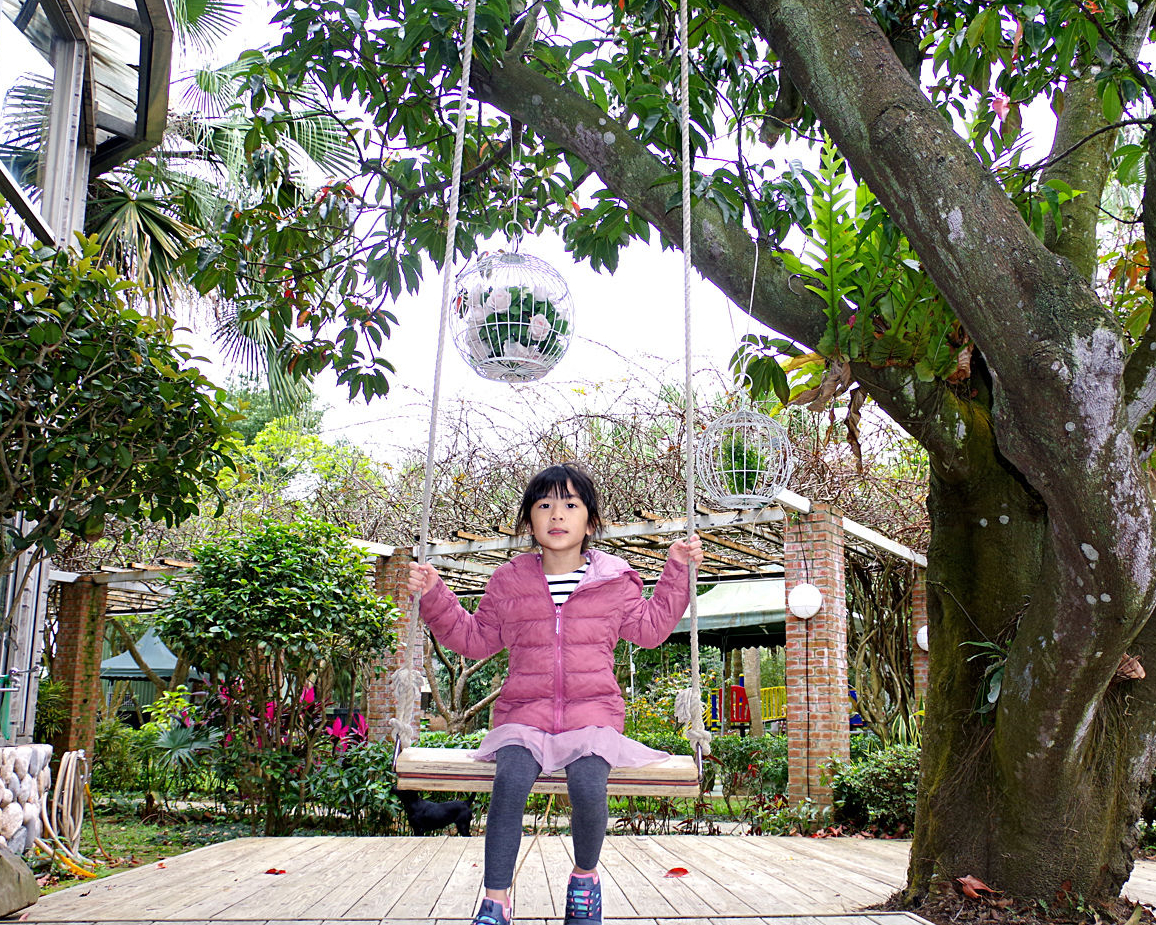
(950,906)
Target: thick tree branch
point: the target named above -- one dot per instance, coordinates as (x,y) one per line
(162,685)
(1086,141)
(723,252)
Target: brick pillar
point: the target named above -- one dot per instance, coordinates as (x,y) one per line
(816,655)
(389,579)
(919,656)
(79,643)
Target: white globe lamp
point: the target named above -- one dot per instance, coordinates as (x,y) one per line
(805,600)
(921,637)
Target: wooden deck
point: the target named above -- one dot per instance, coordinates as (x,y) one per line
(732,880)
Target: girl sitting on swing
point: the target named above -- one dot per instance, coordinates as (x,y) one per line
(560,612)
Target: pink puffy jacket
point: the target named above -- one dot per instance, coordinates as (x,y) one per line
(561,658)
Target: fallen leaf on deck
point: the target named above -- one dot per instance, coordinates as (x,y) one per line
(970,885)
(274,870)
(160,864)
(676,872)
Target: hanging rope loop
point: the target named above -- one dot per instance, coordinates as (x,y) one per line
(407,680)
(692,697)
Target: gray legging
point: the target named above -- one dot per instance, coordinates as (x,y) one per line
(515,775)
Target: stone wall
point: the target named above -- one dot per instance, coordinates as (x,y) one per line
(26,777)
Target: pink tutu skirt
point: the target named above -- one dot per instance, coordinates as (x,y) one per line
(554,751)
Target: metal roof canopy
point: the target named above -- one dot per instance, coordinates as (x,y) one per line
(739,614)
(156,654)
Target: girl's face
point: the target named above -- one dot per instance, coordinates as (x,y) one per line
(560,525)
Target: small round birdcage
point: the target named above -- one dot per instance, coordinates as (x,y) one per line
(744,459)
(513,316)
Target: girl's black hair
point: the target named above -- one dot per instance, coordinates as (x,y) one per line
(551,482)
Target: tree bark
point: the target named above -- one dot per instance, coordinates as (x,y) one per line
(752,675)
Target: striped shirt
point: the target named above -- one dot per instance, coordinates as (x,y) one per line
(562,586)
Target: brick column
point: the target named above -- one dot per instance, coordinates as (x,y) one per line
(919,657)
(816,655)
(389,579)
(79,643)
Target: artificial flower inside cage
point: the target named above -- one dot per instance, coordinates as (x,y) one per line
(513,317)
(744,459)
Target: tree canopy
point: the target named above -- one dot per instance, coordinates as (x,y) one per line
(101,414)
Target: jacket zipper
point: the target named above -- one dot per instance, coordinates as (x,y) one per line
(557,651)
(557,667)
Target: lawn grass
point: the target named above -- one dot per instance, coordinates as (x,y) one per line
(131,842)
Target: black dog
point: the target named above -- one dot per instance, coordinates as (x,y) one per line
(426,816)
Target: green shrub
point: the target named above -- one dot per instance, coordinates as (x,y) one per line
(672,742)
(52,710)
(272,616)
(863,744)
(116,760)
(451,739)
(878,789)
(782,818)
(358,784)
(751,764)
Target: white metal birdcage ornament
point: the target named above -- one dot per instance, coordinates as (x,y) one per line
(744,459)
(512,317)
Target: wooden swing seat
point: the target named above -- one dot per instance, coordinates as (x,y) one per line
(455,769)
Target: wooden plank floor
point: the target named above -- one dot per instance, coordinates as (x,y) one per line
(732,880)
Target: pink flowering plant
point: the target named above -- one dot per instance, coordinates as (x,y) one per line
(272,617)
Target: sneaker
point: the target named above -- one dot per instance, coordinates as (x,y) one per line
(583,900)
(492,912)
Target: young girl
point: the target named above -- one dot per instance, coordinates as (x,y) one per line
(560,612)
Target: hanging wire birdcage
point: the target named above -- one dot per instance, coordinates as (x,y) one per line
(744,459)
(513,316)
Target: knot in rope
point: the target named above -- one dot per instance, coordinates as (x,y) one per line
(700,738)
(688,710)
(405,683)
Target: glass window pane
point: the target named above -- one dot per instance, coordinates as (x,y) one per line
(116,67)
(25,105)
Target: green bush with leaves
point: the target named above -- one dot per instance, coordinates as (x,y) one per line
(272,616)
(103,416)
(439,739)
(357,784)
(750,764)
(878,789)
(117,764)
(52,709)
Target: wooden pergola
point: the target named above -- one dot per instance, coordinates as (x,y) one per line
(738,545)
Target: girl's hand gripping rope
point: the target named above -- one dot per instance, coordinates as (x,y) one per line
(684,551)
(422,578)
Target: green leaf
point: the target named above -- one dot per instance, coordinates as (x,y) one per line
(1110,100)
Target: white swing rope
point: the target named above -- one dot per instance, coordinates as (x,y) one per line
(688,702)
(406,681)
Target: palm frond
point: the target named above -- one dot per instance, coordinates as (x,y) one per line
(26,111)
(213,92)
(200,24)
(144,241)
(321,138)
